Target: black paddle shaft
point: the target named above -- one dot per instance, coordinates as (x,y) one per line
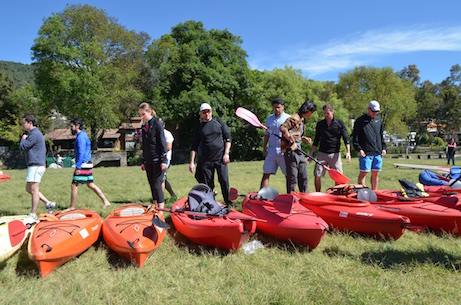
(302,151)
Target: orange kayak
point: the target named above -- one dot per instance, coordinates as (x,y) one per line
(129,231)
(226,232)
(59,237)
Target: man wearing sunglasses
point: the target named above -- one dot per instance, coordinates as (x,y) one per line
(368,140)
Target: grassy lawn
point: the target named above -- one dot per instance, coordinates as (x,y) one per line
(343,269)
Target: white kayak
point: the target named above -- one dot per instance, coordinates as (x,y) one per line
(14,231)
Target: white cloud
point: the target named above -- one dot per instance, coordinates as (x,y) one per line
(362,49)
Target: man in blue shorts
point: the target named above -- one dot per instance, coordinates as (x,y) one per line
(33,144)
(274,156)
(368,140)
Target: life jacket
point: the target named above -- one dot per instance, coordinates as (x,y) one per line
(201,199)
(412,190)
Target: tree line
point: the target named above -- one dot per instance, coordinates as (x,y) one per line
(87,65)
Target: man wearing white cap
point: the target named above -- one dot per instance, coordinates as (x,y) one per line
(213,137)
(368,140)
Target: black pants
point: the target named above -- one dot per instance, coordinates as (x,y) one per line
(205,174)
(296,167)
(155,178)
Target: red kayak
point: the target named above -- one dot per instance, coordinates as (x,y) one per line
(449,200)
(59,237)
(353,215)
(286,218)
(129,231)
(227,232)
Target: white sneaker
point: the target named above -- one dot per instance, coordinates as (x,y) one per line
(33,216)
(50,206)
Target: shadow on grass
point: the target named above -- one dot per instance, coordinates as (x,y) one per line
(396,259)
(393,259)
(272,242)
(182,242)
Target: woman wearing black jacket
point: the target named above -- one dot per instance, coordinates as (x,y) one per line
(154,160)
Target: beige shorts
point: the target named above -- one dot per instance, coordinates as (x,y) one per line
(333,161)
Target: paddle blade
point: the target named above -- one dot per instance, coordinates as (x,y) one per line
(249,116)
(284,203)
(233,194)
(160,223)
(337,176)
(16,231)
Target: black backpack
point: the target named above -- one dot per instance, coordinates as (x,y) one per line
(201,199)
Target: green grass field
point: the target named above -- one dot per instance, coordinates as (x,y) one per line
(343,269)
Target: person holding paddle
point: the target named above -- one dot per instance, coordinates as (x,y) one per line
(368,140)
(329,133)
(273,156)
(292,130)
(33,143)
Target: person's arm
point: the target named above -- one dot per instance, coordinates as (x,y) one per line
(383,143)
(192,161)
(226,157)
(80,144)
(266,140)
(227,141)
(27,141)
(355,138)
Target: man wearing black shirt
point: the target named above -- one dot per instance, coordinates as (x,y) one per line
(329,133)
(213,137)
(368,140)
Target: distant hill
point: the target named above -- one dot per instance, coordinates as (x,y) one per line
(22,74)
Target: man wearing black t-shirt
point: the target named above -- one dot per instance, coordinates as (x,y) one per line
(213,138)
(329,133)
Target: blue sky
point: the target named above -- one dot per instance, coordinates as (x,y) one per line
(321,38)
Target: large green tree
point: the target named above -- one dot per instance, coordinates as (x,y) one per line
(89,66)
(192,65)
(359,86)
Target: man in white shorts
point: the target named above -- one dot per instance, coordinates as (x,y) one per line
(274,156)
(329,133)
(33,144)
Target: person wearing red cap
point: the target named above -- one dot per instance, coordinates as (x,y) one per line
(213,138)
(368,140)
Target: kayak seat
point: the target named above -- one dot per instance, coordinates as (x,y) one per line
(72,216)
(132,211)
(367,195)
(267,193)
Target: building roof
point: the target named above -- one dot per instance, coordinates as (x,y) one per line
(66,134)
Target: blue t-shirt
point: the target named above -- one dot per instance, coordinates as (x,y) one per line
(82,149)
(273,123)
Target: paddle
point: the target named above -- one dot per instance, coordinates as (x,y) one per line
(283,203)
(158,222)
(234,194)
(16,231)
(251,118)
(199,214)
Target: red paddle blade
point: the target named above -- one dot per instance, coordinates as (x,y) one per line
(249,116)
(233,194)
(284,203)
(16,231)
(337,176)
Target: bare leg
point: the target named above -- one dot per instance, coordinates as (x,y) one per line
(361,179)
(73,195)
(98,192)
(33,189)
(265,180)
(43,198)
(374,180)
(318,183)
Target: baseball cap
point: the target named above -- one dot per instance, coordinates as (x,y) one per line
(205,106)
(374,106)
